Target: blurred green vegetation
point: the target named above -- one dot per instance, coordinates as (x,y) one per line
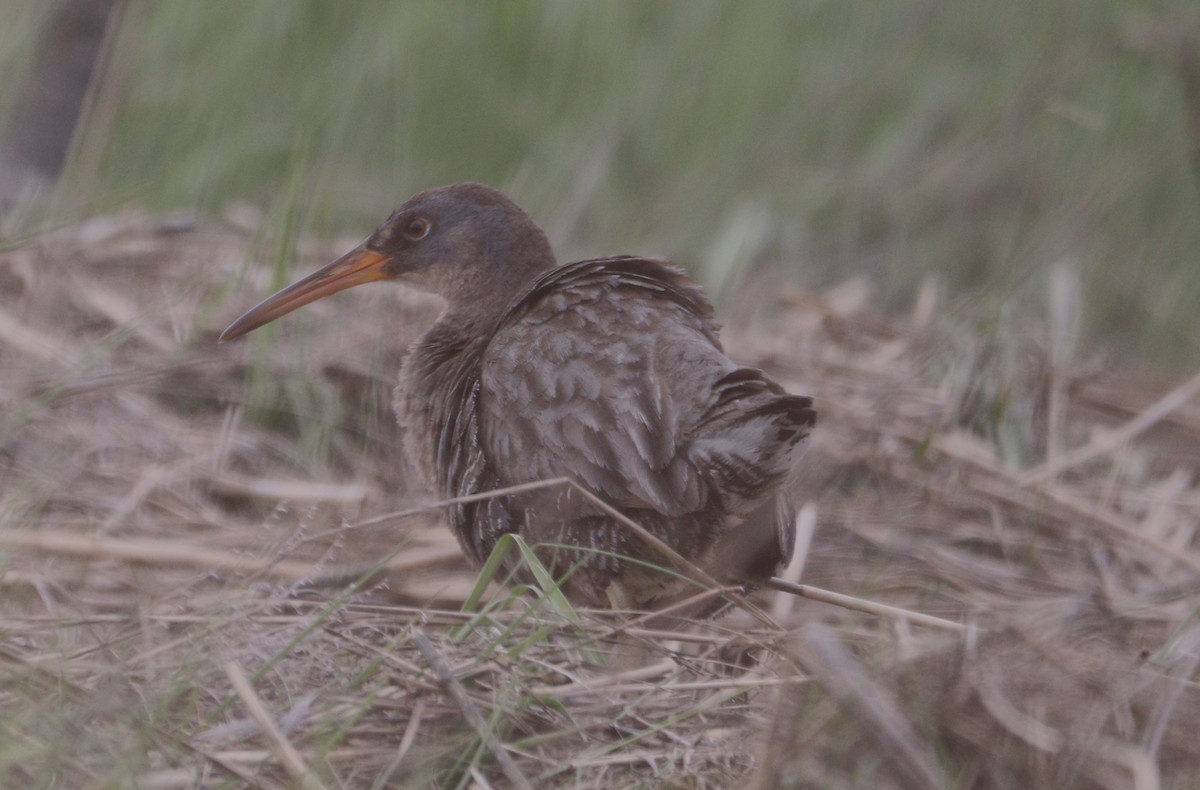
(979,141)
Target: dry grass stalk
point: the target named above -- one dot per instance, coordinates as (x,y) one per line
(1113,440)
(446,677)
(284,751)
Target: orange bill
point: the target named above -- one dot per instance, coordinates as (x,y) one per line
(360,265)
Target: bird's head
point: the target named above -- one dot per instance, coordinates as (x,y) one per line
(467,243)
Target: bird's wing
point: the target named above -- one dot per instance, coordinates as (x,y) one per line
(600,372)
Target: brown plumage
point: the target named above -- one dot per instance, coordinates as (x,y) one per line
(607,371)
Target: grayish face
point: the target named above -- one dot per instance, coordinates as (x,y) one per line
(467,243)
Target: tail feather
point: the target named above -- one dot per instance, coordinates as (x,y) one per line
(752,438)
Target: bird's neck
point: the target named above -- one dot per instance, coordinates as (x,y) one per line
(445,362)
(436,400)
(442,375)
(456,336)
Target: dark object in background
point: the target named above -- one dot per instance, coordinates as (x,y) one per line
(50,105)
(605,371)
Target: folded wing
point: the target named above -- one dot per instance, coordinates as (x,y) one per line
(610,371)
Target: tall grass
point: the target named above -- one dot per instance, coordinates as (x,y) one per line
(980,142)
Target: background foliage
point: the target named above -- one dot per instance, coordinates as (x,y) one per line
(978,141)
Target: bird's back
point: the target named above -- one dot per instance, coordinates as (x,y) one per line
(610,372)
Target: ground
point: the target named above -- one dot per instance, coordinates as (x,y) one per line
(215,574)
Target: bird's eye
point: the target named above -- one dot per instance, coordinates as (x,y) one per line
(416,228)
